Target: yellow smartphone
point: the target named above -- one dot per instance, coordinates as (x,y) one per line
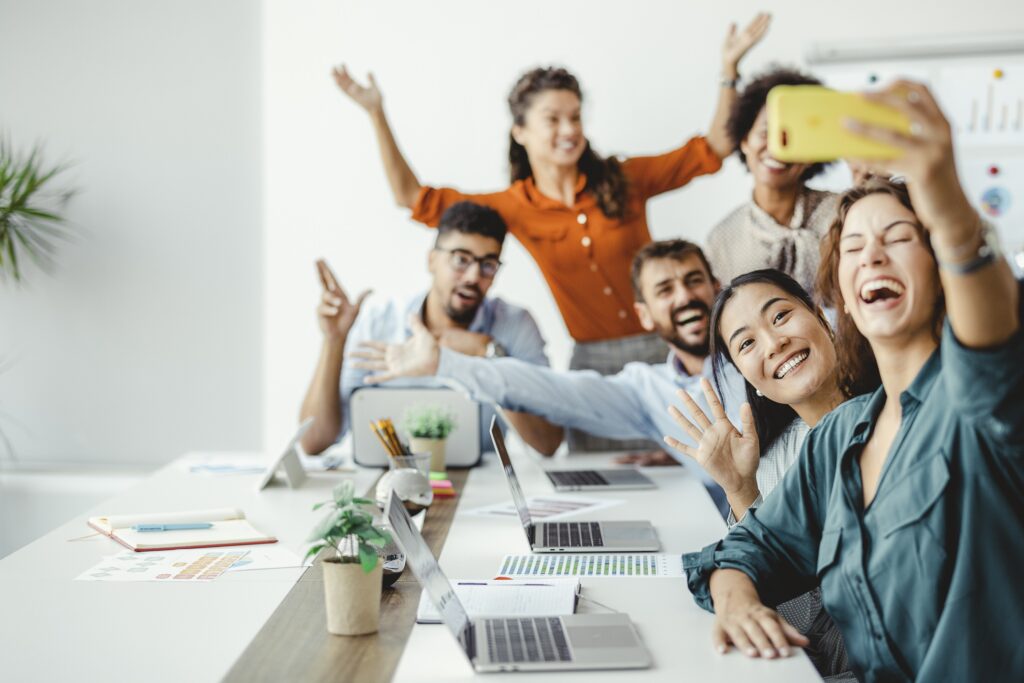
(805,124)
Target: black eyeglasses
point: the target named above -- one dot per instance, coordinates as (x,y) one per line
(460,260)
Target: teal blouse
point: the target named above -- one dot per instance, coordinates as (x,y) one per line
(927,583)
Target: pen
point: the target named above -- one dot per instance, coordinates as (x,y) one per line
(171,527)
(510,585)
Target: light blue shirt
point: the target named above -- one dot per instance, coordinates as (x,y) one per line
(629,405)
(508,325)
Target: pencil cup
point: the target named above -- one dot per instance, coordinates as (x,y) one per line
(417,461)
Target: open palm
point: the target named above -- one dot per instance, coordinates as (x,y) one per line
(417,356)
(727,455)
(738,43)
(366,96)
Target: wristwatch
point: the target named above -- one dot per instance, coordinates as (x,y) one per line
(729,82)
(494,350)
(987,252)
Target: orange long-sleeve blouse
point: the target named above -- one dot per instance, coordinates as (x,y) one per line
(584,255)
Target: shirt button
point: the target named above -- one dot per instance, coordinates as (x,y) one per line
(585,241)
(593,267)
(608,291)
(581,219)
(622,314)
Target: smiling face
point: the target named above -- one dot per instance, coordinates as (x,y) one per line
(461,293)
(780,346)
(766,170)
(552,129)
(886,273)
(678,295)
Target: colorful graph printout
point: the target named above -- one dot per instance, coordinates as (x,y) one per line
(171,566)
(617,564)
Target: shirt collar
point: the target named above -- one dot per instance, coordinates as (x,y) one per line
(765,220)
(537,198)
(915,393)
(482,321)
(680,371)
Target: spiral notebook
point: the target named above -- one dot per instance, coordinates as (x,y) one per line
(230,527)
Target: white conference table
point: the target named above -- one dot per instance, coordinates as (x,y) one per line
(55,628)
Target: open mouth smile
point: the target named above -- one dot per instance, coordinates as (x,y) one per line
(883,290)
(791,363)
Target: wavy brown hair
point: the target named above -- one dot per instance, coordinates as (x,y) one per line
(858,370)
(604,176)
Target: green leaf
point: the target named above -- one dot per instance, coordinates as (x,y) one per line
(317,506)
(367,557)
(312,552)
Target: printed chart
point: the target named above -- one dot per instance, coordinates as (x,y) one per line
(617,564)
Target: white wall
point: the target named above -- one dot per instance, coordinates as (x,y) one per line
(148,341)
(649,70)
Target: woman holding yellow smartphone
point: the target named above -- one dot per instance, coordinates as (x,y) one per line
(905,503)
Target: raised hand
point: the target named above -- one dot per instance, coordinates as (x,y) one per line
(336,313)
(728,456)
(417,356)
(927,154)
(366,96)
(738,43)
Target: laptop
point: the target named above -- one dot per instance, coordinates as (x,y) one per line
(544,643)
(462,448)
(572,537)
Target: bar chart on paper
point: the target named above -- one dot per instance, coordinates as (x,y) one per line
(608,564)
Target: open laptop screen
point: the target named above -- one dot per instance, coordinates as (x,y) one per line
(513,481)
(429,574)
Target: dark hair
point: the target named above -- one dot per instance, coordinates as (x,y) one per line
(604,176)
(676,249)
(752,100)
(770,418)
(858,370)
(472,219)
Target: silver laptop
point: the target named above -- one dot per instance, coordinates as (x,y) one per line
(569,642)
(572,537)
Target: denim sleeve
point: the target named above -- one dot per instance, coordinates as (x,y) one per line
(987,385)
(605,406)
(516,330)
(776,544)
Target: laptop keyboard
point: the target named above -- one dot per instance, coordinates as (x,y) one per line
(538,639)
(572,535)
(580,478)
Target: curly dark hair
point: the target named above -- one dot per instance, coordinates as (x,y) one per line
(604,176)
(472,219)
(752,100)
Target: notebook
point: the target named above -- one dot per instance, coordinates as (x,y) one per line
(507,598)
(230,527)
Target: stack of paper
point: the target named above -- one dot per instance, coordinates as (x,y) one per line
(498,598)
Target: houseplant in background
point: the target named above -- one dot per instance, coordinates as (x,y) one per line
(352,572)
(428,427)
(31,222)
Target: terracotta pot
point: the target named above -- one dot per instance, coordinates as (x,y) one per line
(352,597)
(433,446)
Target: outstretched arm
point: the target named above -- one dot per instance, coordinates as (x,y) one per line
(981,297)
(735,47)
(404,184)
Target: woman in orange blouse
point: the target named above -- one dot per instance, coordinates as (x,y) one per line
(581,216)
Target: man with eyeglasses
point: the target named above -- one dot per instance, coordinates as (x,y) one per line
(456,310)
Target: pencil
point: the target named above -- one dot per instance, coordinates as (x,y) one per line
(385,427)
(384,442)
(394,435)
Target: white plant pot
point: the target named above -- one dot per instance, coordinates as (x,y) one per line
(433,446)
(352,598)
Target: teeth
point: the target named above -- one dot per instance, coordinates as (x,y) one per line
(773,163)
(881,283)
(686,319)
(790,364)
(569,144)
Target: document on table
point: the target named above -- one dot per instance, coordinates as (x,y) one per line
(507,598)
(609,564)
(547,508)
(173,565)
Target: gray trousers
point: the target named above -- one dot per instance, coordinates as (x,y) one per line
(608,358)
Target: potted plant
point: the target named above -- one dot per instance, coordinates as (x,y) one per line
(352,572)
(428,426)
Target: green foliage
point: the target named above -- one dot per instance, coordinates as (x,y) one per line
(30,222)
(428,422)
(348,529)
